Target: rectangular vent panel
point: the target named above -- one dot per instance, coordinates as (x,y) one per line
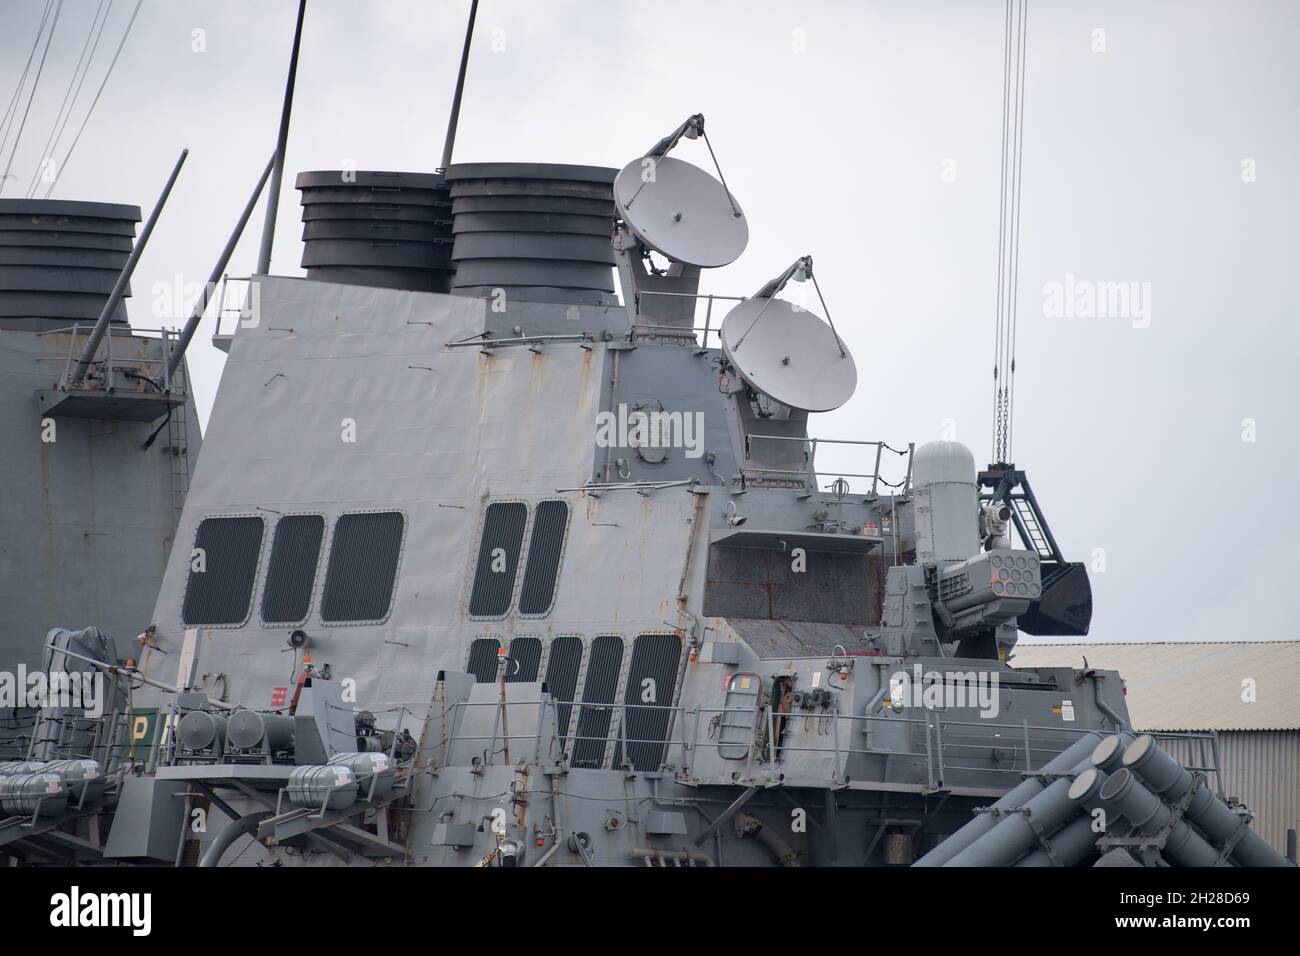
(526,659)
(291,573)
(562,678)
(651,681)
(498,558)
(545,546)
(483,659)
(363,566)
(600,690)
(220,593)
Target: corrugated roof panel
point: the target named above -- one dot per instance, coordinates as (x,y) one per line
(1204,685)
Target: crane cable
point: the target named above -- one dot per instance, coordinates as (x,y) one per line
(54,25)
(93,103)
(7,122)
(73,92)
(1013,125)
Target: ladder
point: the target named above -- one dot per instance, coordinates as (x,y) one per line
(177,449)
(1029,524)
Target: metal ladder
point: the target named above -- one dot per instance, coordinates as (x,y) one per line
(1037,540)
(178,445)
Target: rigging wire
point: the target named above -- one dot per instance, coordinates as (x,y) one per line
(1015,37)
(61,119)
(22,80)
(54,25)
(76,139)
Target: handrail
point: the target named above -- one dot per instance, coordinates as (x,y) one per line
(810,473)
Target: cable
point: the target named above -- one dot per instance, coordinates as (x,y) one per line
(68,155)
(54,25)
(1013,126)
(22,80)
(61,120)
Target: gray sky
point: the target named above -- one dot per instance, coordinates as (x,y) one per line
(836,139)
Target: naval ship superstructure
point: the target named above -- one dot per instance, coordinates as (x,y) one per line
(486,565)
(99,445)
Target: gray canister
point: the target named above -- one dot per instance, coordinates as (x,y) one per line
(76,774)
(200,730)
(368,768)
(27,793)
(249,729)
(333,786)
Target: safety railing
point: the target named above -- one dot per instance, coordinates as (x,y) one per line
(1011,749)
(815,479)
(110,365)
(712,323)
(237,302)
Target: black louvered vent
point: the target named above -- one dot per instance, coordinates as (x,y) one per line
(483,659)
(601,688)
(220,586)
(291,573)
(544,548)
(562,678)
(494,577)
(651,681)
(526,658)
(363,566)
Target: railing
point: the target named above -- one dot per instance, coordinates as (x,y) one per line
(813,478)
(239,290)
(110,366)
(941,738)
(703,331)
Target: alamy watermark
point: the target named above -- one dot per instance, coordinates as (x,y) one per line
(38,689)
(945,690)
(639,428)
(1087,299)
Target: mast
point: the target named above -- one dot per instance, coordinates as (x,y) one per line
(273,194)
(454,118)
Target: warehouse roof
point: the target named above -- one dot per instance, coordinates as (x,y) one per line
(1192,685)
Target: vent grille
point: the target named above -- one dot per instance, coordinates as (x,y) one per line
(362,567)
(222,591)
(600,690)
(483,659)
(651,681)
(291,574)
(526,653)
(562,678)
(545,546)
(503,528)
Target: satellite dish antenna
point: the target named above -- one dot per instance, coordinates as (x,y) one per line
(679,210)
(787,352)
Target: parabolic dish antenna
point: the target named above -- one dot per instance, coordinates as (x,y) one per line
(680,211)
(789,354)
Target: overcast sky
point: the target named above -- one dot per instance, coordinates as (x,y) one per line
(1162,151)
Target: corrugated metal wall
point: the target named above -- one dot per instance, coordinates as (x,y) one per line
(1260,768)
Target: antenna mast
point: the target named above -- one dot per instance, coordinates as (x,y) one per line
(460,89)
(277,173)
